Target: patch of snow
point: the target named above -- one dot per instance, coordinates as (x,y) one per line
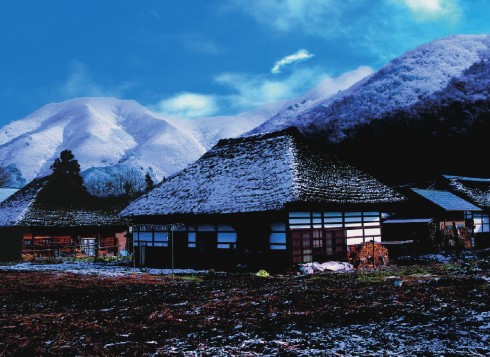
(437,258)
(88,268)
(312,268)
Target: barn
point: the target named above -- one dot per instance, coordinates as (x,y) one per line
(31,224)
(267,200)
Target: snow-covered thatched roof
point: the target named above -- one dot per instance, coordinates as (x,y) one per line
(25,208)
(263,172)
(477,190)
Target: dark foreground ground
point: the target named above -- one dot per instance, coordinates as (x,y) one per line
(437,310)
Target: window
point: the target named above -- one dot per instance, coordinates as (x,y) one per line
(350,227)
(227,237)
(300,219)
(277,237)
(191,239)
(160,239)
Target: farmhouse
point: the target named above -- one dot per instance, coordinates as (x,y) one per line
(267,200)
(30,223)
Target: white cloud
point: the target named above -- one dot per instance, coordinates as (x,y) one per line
(246,92)
(312,16)
(189,105)
(428,9)
(80,83)
(330,86)
(301,55)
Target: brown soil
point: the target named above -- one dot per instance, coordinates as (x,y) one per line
(43,313)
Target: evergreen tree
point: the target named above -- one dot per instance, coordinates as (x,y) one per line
(66,171)
(65,183)
(149,182)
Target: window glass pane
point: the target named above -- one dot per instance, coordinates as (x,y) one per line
(191,237)
(160,244)
(353,219)
(226,237)
(353,224)
(352,241)
(145,236)
(300,220)
(333,214)
(371,219)
(299,226)
(372,232)
(225,246)
(206,228)
(372,214)
(333,225)
(299,214)
(277,238)
(278,247)
(161,237)
(354,233)
(316,214)
(278,226)
(333,220)
(353,214)
(191,245)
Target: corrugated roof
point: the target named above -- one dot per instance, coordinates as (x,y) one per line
(475,189)
(24,208)
(261,173)
(446,200)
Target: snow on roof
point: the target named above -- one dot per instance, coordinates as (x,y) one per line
(446,200)
(475,189)
(6,193)
(24,208)
(261,172)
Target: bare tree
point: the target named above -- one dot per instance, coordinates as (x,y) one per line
(124,183)
(4,176)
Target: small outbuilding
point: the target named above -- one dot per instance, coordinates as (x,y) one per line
(31,224)
(477,191)
(268,200)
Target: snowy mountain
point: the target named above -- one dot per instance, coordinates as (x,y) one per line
(423,114)
(108,135)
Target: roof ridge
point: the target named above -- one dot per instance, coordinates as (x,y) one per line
(290,131)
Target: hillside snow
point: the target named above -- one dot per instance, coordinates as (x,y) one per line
(405,81)
(108,135)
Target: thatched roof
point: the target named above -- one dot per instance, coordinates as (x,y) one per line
(476,190)
(26,208)
(262,172)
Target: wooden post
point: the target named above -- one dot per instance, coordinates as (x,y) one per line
(374,258)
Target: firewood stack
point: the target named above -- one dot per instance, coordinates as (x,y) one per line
(366,255)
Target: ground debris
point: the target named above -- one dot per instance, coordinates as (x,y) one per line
(439,309)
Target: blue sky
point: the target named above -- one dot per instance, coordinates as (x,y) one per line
(205,58)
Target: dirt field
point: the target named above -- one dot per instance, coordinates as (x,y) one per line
(438,310)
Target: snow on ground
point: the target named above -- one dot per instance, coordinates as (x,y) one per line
(90,268)
(467,336)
